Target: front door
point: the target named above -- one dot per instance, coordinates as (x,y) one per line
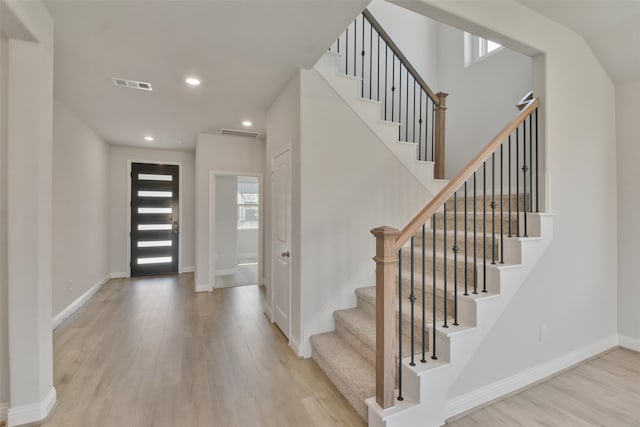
(281,238)
(154,219)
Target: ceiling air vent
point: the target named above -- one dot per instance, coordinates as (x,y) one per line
(236,132)
(132,84)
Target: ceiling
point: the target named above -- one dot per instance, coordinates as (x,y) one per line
(244,52)
(610,27)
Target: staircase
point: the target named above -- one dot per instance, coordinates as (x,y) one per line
(476,241)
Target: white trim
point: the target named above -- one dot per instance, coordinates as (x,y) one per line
(268,311)
(490,392)
(629,343)
(188,270)
(203,287)
(128,203)
(295,345)
(33,412)
(119,275)
(4,409)
(226,272)
(78,303)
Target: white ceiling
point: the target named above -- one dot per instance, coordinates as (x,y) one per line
(610,27)
(243,51)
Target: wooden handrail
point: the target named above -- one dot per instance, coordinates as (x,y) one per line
(394,47)
(425,214)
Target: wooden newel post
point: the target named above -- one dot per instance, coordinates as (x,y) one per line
(386,260)
(441,111)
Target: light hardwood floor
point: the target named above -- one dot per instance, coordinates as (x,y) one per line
(602,392)
(151,352)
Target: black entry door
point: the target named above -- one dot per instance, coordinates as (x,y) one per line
(154,219)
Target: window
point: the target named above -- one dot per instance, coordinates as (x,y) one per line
(248,203)
(476,48)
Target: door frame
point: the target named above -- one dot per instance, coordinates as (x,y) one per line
(180,193)
(272,303)
(212,221)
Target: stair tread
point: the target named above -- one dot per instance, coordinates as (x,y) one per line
(346,363)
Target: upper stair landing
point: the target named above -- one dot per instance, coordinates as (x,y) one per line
(370,111)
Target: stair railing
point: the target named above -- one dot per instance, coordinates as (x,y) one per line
(369,53)
(472,240)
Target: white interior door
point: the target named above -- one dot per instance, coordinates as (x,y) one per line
(281,240)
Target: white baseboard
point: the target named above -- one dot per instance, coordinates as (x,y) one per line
(188,269)
(268,311)
(4,409)
(203,287)
(119,275)
(32,413)
(475,398)
(628,342)
(226,272)
(295,345)
(78,303)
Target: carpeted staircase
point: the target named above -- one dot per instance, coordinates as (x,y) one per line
(347,355)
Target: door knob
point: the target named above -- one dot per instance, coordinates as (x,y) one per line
(285,254)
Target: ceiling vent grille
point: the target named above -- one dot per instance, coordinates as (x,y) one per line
(132,84)
(236,132)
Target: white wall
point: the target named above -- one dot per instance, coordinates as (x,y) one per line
(80,208)
(247,242)
(482,97)
(226,223)
(219,153)
(119,187)
(350,184)
(4,350)
(415,34)
(573,289)
(628,153)
(283,130)
(29,208)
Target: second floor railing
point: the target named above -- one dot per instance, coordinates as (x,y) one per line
(368,52)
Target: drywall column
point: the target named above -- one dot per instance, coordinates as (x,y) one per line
(29,178)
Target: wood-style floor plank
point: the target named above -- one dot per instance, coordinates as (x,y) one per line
(150,352)
(603,392)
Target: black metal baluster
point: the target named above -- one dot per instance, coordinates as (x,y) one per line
(501,207)
(400,101)
(466,259)
(493,208)
(509,174)
(412,299)
(433,256)
(420,148)
(530,163)
(393,85)
(355,46)
(444,264)
(484,226)
(455,258)
(346,52)
(424,282)
(537,187)
(338,44)
(362,59)
(400,325)
(386,62)
(524,174)
(378,70)
(414,115)
(517,183)
(406,110)
(475,243)
(433,131)
(370,61)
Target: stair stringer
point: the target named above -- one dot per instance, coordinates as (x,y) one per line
(370,112)
(426,385)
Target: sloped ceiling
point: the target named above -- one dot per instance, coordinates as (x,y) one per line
(243,51)
(610,27)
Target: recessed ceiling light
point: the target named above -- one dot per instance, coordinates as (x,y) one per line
(148,138)
(246,123)
(192,81)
